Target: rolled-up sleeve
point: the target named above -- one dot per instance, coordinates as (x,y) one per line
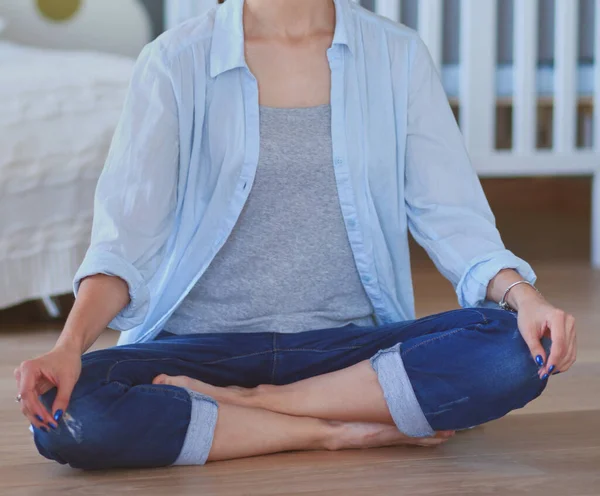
(136,195)
(447,210)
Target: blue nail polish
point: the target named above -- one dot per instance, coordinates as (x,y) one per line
(54,426)
(58,415)
(45,429)
(545,376)
(40,419)
(557,372)
(539,360)
(551,369)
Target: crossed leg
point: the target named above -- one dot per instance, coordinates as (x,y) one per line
(255,421)
(353,400)
(139,406)
(243,431)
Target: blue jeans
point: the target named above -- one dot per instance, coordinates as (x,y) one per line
(444,372)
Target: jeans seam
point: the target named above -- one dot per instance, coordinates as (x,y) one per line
(344,348)
(220,360)
(165,391)
(110,370)
(403,353)
(481,314)
(429,318)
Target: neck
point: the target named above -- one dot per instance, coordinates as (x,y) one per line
(290,19)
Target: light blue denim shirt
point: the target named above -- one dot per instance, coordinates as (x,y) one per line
(185,152)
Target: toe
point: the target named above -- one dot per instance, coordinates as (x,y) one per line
(161,379)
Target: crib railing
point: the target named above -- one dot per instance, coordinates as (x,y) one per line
(477,97)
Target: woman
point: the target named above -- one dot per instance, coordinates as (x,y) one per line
(251,230)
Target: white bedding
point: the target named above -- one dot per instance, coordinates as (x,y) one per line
(58,111)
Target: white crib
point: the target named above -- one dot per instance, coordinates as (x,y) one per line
(503,108)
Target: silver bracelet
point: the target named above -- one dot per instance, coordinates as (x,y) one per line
(503,303)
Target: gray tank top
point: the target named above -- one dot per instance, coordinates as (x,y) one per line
(287,266)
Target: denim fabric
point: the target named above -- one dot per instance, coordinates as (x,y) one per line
(462,368)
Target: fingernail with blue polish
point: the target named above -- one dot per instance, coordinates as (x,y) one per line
(54,426)
(557,372)
(58,415)
(539,360)
(44,429)
(551,369)
(545,376)
(39,418)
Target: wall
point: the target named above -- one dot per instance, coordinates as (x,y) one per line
(155,10)
(115,26)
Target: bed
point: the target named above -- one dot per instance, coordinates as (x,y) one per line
(59,111)
(60,106)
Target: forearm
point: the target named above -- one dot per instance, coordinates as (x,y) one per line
(517,296)
(99,300)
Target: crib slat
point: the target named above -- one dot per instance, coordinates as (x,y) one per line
(477,74)
(525,62)
(597,81)
(565,75)
(389,8)
(596,181)
(430,28)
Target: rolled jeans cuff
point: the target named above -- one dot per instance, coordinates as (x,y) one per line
(399,394)
(201,430)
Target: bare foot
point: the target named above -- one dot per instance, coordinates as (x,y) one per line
(342,435)
(233,395)
(358,435)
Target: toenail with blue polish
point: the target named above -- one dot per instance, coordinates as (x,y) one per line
(58,415)
(551,369)
(539,360)
(545,376)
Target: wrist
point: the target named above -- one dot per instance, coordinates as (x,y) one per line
(521,295)
(69,343)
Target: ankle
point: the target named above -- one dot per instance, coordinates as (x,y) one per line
(258,397)
(332,435)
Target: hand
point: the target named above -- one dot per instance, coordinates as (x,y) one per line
(537,318)
(59,368)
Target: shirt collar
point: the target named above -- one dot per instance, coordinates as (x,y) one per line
(227,51)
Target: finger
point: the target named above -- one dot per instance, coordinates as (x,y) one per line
(63,396)
(17,374)
(571,340)
(37,411)
(559,348)
(534,344)
(570,358)
(31,400)
(34,420)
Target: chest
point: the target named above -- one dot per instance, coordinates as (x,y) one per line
(291,75)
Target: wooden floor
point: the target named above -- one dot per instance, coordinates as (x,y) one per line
(550,448)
